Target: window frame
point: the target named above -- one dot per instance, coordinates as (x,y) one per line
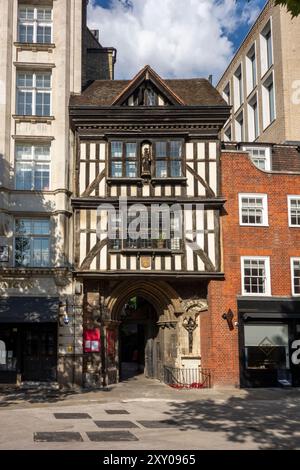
(34,163)
(34,90)
(123,159)
(31,236)
(168,159)
(123,245)
(265,215)
(249,148)
(266,259)
(294,258)
(35,23)
(290,197)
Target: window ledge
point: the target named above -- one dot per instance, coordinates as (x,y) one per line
(169,180)
(148,251)
(111,181)
(33,119)
(35,46)
(254,225)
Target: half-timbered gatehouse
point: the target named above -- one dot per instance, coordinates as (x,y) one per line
(150,142)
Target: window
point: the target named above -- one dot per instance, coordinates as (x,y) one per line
(33,93)
(141,233)
(294,211)
(32,242)
(228,134)
(268,96)
(35,25)
(168,159)
(33,167)
(295,272)
(238,88)
(123,159)
(266,346)
(253,209)
(266,48)
(256,276)
(260,156)
(253,125)
(239,128)
(226,93)
(251,69)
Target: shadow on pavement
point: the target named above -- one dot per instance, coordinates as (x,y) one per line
(270,419)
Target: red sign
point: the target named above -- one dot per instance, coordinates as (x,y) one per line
(111,343)
(91,340)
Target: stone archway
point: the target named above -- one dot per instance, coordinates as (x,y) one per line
(161,295)
(161,348)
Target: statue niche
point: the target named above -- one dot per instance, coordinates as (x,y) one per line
(146,159)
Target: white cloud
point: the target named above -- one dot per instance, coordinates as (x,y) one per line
(178,38)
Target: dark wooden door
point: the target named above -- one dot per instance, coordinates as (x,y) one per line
(39,345)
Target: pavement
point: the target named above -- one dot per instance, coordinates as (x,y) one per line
(145,414)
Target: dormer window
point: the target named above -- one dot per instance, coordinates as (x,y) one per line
(260,156)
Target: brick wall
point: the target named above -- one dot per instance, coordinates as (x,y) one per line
(278,241)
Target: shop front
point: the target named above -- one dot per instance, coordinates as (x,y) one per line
(28,339)
(269,342)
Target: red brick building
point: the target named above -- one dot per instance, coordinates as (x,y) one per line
(249,336)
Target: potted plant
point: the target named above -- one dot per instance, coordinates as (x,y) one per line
(161,241)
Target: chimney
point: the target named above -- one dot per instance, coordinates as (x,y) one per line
(210,79)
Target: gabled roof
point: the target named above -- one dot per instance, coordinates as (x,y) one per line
(147,73)
(180,92)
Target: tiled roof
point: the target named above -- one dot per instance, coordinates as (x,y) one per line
(193,92)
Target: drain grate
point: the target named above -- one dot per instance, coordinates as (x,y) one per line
(57,437)
(72,416)
(115,424)
(113,436)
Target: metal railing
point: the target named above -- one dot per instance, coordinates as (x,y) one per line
(186,378)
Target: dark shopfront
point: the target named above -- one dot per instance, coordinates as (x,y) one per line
(28,339)
(269,342)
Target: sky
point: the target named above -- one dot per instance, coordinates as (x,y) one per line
(178,38)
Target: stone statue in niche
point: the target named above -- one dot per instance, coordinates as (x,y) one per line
(146,160)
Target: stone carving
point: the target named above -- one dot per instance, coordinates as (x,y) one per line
(5,225)
(194,306)
(190,325)
(23,284)
(146,160)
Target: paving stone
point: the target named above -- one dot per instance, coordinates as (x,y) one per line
(115,424)
(57,437)
(72,416)
(158,424)
(113,436)
(117,412)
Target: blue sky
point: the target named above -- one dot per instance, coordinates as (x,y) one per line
(197,37)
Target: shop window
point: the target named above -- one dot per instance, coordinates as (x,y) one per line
(266,347)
